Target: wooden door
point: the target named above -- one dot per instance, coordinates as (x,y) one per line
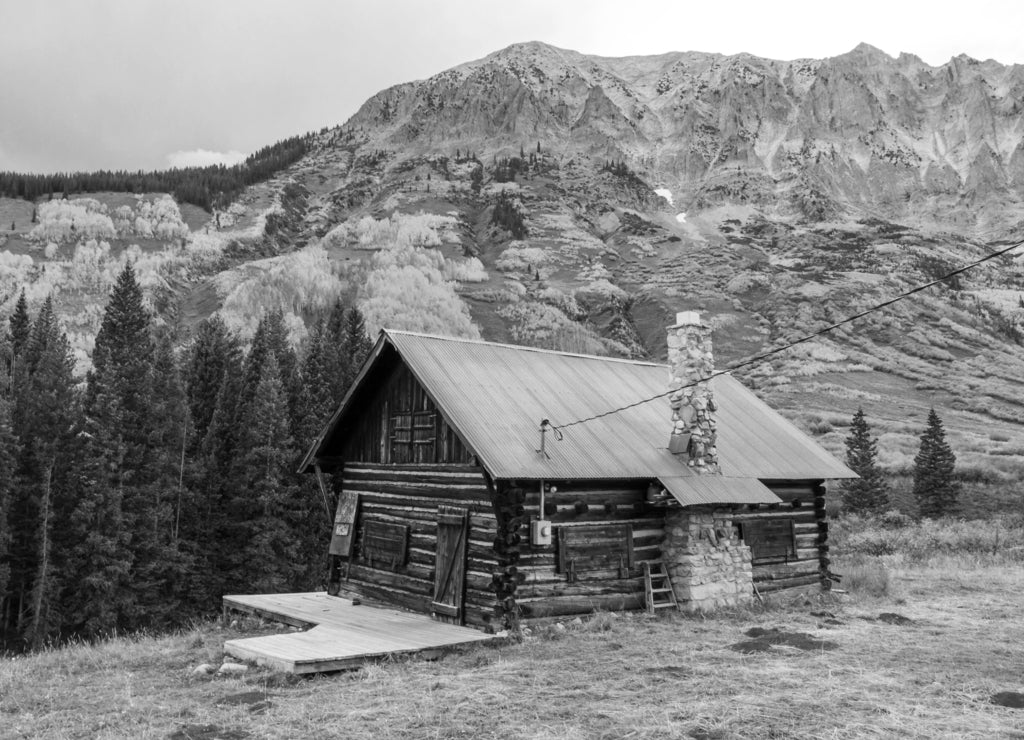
(450,564)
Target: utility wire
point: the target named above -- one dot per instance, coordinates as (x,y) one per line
(831,327)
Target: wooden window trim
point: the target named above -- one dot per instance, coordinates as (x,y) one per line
(412,429)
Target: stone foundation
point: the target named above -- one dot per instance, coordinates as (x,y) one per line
(709,565)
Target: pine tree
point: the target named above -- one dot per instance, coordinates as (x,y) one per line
(271,338)
(336,359)
(114,543)
(870,493)
(317,398)
(267,501)
(211,355)
(162,559)
(356,346)
(216,526)
(7,453)
(44,416)
(20,327)
(935,485)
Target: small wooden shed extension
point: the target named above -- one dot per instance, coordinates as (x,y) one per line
(437,447)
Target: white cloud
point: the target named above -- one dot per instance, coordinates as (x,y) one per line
(204,158)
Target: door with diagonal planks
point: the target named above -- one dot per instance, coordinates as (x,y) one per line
(450,564)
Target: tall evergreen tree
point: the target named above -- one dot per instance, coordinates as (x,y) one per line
(356,346)
(870,493)
(20,328)
(936,487)
(51,409)
(162,559)
(268,501)
(43,417)
(271,338)
(216,526)
(209,359)
(114,546)
(317,399)
(338,367)
(7,453)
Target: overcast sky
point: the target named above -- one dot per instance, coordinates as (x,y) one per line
(140,84)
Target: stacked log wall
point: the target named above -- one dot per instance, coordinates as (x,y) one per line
(545,591)
(410,495)
(803,504)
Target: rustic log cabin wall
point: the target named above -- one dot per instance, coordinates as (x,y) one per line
(788,541)
(394,555)
(602,533)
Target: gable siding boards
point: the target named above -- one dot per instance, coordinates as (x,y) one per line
(369,435)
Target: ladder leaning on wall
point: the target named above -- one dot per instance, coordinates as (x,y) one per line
(657,587)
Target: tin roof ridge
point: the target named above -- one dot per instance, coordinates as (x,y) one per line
(524,348)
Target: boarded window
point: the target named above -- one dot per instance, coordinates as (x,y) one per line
(412,437)
(384,544)
(595,547)
(769,539)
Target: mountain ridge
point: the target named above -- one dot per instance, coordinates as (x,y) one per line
(686,116)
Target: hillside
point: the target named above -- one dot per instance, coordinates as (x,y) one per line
(547,197)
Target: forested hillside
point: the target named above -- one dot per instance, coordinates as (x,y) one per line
(207,187)
(140,497)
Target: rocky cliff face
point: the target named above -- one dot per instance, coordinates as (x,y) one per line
(858,134)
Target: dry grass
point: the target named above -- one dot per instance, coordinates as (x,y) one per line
(609,677)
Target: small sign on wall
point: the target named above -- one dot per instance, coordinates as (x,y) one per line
(344,523)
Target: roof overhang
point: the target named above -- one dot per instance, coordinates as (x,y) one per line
(705,490)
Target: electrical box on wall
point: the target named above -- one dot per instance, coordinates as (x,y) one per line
(540,532)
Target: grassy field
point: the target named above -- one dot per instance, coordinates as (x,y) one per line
(916,647)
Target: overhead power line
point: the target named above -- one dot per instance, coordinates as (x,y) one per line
(831,327)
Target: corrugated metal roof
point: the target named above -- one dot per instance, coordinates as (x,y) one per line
(691,490)
(495,396)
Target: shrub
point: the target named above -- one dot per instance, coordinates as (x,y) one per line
(895,534)
(866,576)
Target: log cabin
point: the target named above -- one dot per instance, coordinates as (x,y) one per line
(487,484)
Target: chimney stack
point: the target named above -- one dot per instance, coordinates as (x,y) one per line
(691,361)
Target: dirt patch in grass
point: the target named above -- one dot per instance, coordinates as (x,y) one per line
(765,640)
(257,702)
(207,732)
(1012,699)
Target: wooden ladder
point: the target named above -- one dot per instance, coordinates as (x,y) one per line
(658,587)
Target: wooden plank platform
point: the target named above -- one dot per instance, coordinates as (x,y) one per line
(341,635)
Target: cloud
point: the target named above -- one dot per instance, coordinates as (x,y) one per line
(204,158)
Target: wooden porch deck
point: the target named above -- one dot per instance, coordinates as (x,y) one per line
(341,635)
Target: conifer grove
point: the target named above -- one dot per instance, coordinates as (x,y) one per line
(136,497)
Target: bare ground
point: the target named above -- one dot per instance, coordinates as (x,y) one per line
(923,661)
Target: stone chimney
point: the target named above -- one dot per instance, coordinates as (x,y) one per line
(691,361)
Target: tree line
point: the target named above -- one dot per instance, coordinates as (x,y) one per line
(138,498)
(209,187)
